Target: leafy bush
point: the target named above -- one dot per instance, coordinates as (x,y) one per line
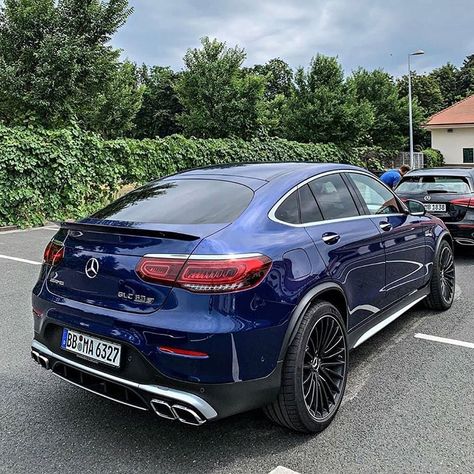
(433,158)
(62,174)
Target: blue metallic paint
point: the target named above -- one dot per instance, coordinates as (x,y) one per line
(244,333)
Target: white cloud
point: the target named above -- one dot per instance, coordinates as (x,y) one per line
(368,33)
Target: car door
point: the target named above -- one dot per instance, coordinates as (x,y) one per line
(403,236)
(349,243)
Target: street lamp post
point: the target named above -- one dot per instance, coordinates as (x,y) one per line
(410,110)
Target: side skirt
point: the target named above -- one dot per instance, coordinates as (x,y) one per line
(378,322)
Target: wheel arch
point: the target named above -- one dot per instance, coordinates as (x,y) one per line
(329,291)
(444,236)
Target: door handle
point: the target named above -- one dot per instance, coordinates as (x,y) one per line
(386,226)
(331,238)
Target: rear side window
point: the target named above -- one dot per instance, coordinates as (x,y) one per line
(439,184)
(333,197)
(309,207)
(288,211)
(186,201)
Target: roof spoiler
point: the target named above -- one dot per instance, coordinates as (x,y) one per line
(122,230)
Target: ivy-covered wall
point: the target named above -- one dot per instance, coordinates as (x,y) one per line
(67,174)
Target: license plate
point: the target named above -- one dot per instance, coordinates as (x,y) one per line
(91,347)
(435,207)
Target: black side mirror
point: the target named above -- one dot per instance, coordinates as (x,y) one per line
(416,208)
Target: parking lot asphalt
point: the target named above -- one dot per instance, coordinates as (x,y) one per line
(409,403)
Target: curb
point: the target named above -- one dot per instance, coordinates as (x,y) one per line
(8,227)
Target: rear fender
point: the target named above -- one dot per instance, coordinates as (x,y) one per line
(301,308)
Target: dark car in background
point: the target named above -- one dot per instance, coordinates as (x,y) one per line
(447,193)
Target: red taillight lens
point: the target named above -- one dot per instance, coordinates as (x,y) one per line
(53,253)
(159,270)
(206,275)
(465,202)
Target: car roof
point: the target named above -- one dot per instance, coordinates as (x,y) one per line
(449,171)
(454,171)
(265,171)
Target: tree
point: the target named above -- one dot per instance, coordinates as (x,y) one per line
(426,90)
(160,107)
(219,99)
(116,105)
(55,62)
(466,77)
(447,77)
(278,78)
(324,109)
(378,88)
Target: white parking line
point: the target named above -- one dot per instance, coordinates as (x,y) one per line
(23,260)
(444,340)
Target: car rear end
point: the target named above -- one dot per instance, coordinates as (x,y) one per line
(126,305)
(446,194)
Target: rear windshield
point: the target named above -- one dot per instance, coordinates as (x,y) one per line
(189,201)
(440,184)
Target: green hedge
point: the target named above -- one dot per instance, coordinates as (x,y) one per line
(63,174)
(433,158)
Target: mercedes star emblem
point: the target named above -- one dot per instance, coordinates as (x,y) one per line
(92,267)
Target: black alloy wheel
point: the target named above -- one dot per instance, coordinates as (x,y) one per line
(447,274)
(443,279)
(314,372)
(324,367)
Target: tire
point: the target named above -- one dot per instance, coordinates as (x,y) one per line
(315,365)
(443,279)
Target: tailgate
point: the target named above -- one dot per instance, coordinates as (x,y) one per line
(98,267)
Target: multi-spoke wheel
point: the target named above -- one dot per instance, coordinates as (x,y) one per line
(324,367)
(447,274)
(443,280)
(314,372)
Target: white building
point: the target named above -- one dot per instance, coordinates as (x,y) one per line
(452,132)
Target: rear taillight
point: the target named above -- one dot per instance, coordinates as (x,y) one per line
(203,274)
(159,270)
(53,253)
(465,202)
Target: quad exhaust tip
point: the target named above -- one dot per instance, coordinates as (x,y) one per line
(178,412)
(40,359)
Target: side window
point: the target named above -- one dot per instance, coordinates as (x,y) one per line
(309,207)
(378,199)
(333,197)
(288,211)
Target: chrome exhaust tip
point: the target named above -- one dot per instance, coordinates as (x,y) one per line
(163,409)
(43,361)
(40,359)
(35,356)
(188,416)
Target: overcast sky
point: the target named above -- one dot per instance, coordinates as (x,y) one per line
(368,33)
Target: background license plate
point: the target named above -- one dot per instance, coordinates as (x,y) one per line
(435,207)
(91,347)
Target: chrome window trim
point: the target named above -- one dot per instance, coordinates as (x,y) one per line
(271,214)
(228,256)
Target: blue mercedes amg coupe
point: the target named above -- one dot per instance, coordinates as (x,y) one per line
(223,289)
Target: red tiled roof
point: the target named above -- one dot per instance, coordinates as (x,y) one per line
(460,113)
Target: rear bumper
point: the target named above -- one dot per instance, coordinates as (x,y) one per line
(187,402)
